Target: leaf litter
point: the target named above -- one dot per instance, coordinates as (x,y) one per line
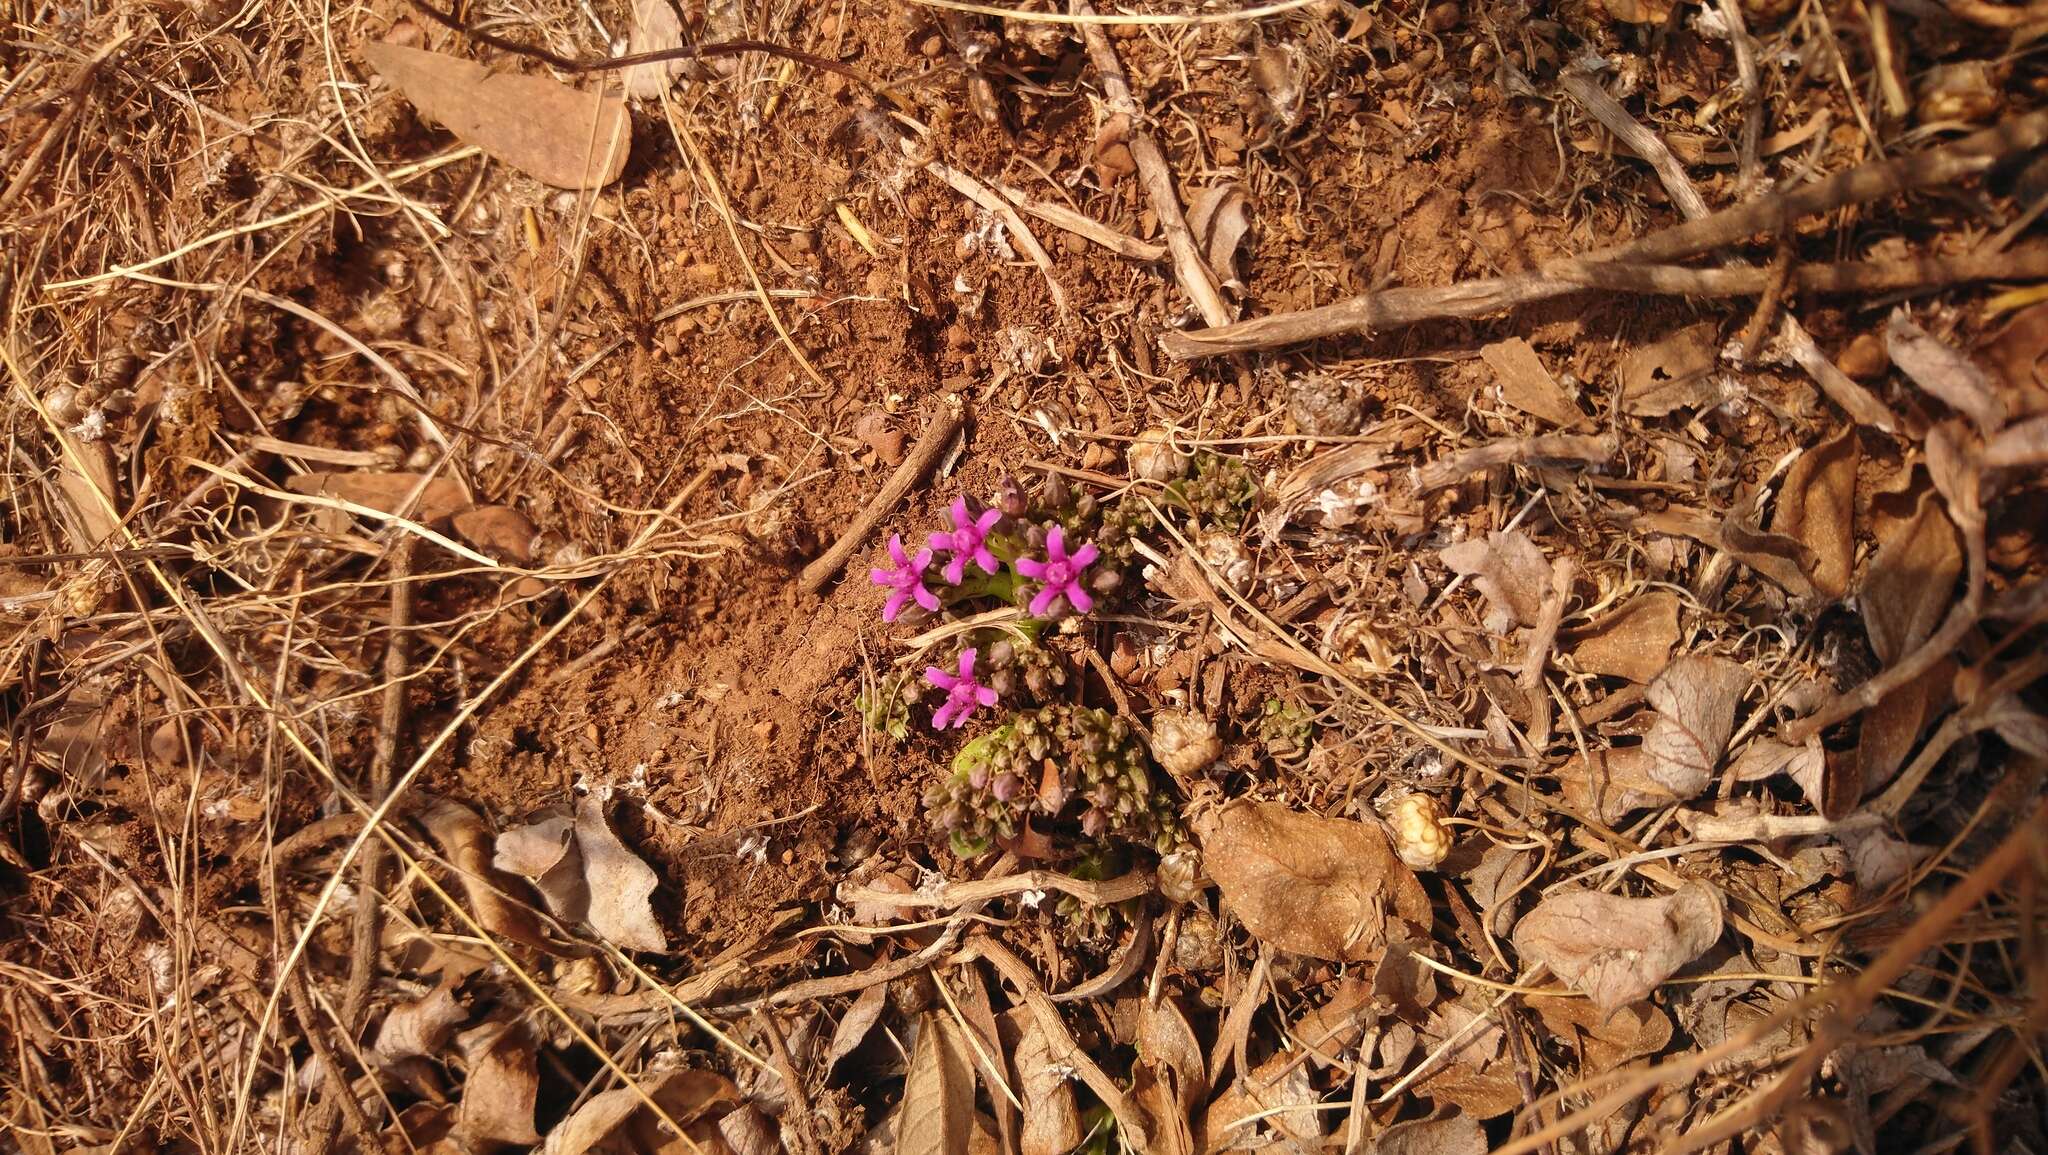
(1375,738)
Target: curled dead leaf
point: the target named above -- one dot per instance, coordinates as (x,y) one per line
(1943,372)
(420,1027)
(1508,569)
(466,843)
(1329,888)
(1695,699)
(1617,950)
(500,1085)
(1052,1120)
(620,884)
(1816,507)
(1633,641)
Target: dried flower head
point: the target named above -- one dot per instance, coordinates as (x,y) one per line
(1059,574)
(1420,836)
(1184,743)
(1153,458)
(905,581)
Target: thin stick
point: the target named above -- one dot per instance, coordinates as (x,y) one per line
(391,720)
(1193,273)
(957,894)
(923,457)
(1086,227)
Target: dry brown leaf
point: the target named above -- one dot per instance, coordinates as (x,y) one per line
(1333,1028)
(498,531)
(2021,446)
(1454,1134)
(1278,1096)
(1508,569)
(1219,219)
(553,133)
(1613,784)
(1476,1077)
(1784,560)
(1617,950)
(1328,888)
(1605,1040)
(387,493)
(619,883)
(1674,373)
(1527,385)
(1906,590)
(544,852)
(1817,507)
(2018,357)
(85,479)
(466,843)
(1153,1092)
(1168,1043)
(1943,372)
(855,1024)
(686,1096)
(1634,641)
(1695,699)
(749,1131)
(1495,885)
(1052,1121)
(655,28)
(500,1086)
(420,1027)
(937,1112)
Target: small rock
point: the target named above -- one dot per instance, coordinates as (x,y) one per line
(1323,406)
(1444,17)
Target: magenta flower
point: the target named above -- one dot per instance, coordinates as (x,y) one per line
(967,542)
(1060,573)
(963,694)
(906,581)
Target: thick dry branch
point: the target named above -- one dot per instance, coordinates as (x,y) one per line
(1395,308)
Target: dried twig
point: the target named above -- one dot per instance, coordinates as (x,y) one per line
(958,894)
(1196,279)
(923,457)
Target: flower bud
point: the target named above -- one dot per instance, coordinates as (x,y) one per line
(1010,497)
(1104,581)
(1180,875)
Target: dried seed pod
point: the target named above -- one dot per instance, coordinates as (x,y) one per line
(1184,743)
(1420,836)
(1228,557)
(1180,875)
(1152,457)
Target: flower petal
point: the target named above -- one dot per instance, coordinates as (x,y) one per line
(967,657)
(987,521)
(1082,602)
(894,605)
(961,518)
(925,597)
(882,577)
(1085,556)
(956,570)
(940,678)
(1056,543)
(923,559)
(1044,600)
(896,550)
(941,715)
(1030,567)
(985,695)
(986,560)
(939,541)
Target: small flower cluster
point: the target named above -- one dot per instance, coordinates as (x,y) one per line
(1063,764)
(1004,553)
(1054,582)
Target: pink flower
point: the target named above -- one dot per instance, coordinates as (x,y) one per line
(968,541)
(1060,573)
(963,694)
(906,581)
